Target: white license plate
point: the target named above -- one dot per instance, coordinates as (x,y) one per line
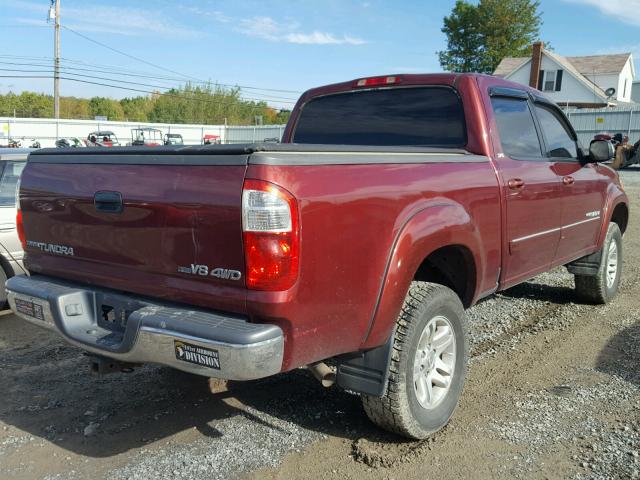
(30,309)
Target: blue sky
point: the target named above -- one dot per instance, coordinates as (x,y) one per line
(271,44)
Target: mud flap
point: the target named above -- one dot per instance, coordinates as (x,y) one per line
(366,371)
(587,266)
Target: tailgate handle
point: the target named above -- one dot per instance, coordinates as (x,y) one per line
(108,202)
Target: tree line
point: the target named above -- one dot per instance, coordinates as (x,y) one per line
(189,104)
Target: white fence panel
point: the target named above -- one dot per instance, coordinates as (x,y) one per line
(589,122)
(47,130)
(253,134)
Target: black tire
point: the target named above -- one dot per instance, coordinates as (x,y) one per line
(3,291)
(596,288)
(399,410)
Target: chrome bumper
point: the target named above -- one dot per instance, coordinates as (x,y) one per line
(204,343)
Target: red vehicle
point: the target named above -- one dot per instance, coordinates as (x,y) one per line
(102,138)
(393,204)
(210,139)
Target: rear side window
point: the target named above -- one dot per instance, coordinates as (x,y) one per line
(517,130)
(558,139)
(421,116)
(8,182)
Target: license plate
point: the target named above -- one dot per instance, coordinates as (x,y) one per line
(197,355)
(30,309)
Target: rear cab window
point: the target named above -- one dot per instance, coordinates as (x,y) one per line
(430,116)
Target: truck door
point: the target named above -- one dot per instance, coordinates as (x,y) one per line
(583,187)
(530,186)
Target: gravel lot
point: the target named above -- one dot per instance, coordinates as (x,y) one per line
(553,392)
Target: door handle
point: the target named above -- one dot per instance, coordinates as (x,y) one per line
(515,183)
(568,180)
(108,202)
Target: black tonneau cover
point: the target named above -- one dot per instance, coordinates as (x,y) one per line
(239,154)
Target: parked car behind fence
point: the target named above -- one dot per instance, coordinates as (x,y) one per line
(12,162)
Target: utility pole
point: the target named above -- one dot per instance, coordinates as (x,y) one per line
(56,66)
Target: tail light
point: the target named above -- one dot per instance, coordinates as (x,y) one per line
(19,224)
(20,229)
(271,233)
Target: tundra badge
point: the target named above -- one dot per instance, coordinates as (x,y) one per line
(52,248)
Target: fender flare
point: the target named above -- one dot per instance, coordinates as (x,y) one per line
(615,197)
(427,230)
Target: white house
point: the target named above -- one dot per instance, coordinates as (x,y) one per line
(573,81)
(635,91)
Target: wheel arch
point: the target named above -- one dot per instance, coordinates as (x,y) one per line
(6,266)
(439,244)
(620,216)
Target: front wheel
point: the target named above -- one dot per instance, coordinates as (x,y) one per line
(603,286)
(428,364)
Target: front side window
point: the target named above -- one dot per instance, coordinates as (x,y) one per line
(9,181)
(560,143)
(516,128)
(403,116)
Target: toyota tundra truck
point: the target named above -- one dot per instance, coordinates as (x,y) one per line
(352,248)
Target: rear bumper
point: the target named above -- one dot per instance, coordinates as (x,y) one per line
(195,341)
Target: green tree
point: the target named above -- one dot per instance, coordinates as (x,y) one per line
(208,104)
(465,50)
(137,109)
(106,107)
(282,117)
(74,108)
(480,36)
(32,105)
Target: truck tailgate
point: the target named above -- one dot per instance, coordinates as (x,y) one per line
(176,234)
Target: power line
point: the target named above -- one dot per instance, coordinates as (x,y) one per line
(205,101)
(13,25)
(273,99)
(71,72)
(99,70)
(126,54)
(168,94)
(115,69)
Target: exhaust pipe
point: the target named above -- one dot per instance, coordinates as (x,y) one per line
(323,373)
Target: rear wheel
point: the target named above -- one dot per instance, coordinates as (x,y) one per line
(603,286)
(428,364)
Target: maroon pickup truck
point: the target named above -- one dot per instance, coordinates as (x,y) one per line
(352,248)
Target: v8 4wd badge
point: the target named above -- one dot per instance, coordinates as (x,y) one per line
(204,271)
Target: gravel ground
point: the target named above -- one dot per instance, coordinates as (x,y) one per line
(553,392)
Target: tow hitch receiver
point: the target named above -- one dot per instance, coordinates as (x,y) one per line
(103,365)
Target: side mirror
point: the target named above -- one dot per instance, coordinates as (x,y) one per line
(600,151)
